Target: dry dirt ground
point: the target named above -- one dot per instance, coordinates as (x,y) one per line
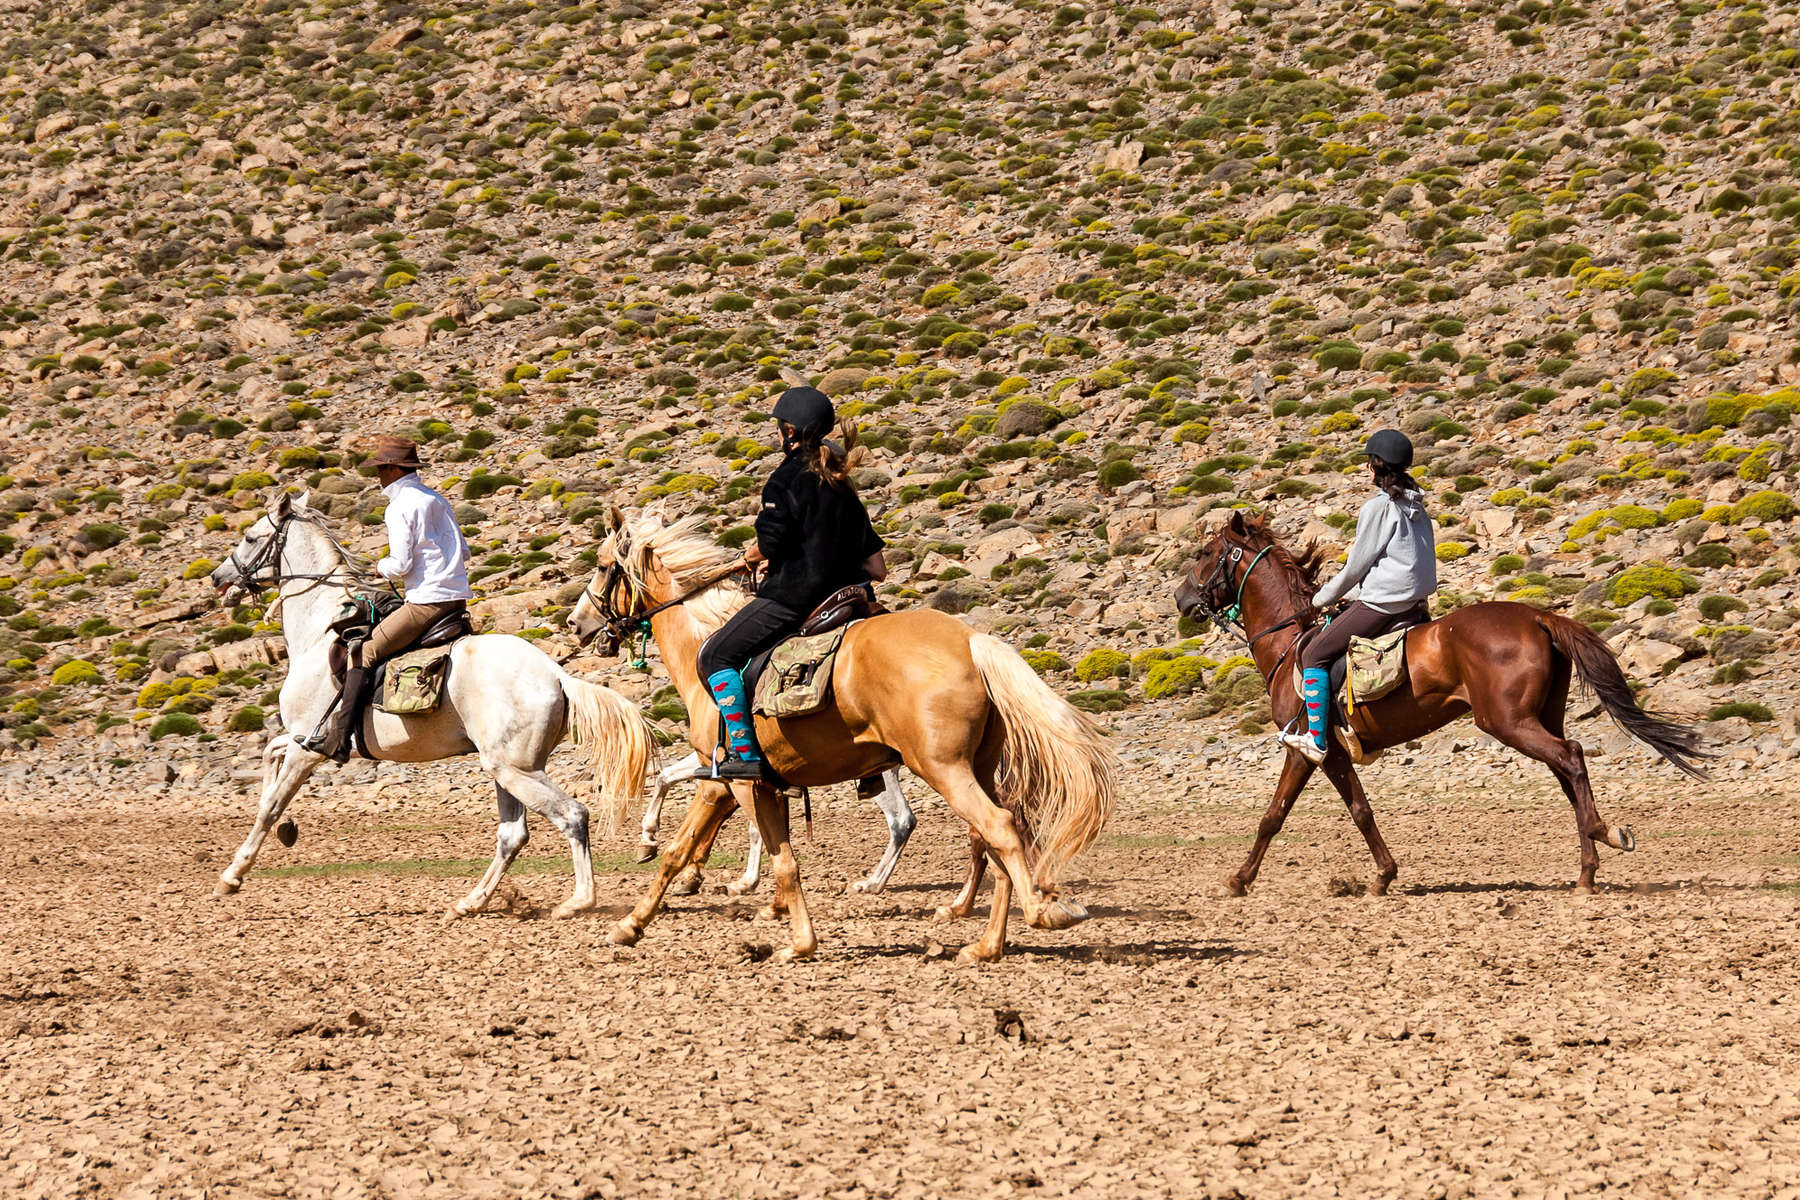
(1483,1032)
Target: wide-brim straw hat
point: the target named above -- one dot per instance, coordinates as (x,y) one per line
(396,452)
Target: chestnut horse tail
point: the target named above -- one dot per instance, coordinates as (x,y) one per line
(1599,670)
(616,740)
(1056,764)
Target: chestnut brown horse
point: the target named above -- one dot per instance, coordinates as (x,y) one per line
(1506,664)
(960,709)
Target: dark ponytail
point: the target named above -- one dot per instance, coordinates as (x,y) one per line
(1392,480)
(834,461)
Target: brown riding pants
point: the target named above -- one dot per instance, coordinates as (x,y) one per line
(402,628)
(1359,620)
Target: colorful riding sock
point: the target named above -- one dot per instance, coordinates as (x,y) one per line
(1314,683)
(727,688)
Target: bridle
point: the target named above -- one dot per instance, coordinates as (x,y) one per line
(268,558)
(620,626)
(1232,615)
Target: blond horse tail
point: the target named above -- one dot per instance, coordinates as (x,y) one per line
(617,739)
(1056,763)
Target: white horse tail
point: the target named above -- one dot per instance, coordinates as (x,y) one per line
(1056,764)
(618,740)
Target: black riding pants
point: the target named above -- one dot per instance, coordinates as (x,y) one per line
(1359,620)
(755,627)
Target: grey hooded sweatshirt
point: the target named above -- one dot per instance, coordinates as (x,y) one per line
(1394,556)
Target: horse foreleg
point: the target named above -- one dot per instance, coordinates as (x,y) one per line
(1343,777)
(900,822)
(770,811)
(992,943)
(693,877)
(1294,774)
(713,802)
(964,904)
(279,786)
(667,778)
(753,855)
(509,838)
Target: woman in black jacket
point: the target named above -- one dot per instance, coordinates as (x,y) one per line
(815,536)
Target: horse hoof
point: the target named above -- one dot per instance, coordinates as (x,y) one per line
(1055,916)
(567,909)
(646,852)
(686,884)
(943,915)
(226,887)
(1620,837)
(739,888)
(863,887)
(1076,912)
(975,952)
(1379,887)
(623,934)
(1235,887)
(788,954)
(1585,887)
(287,832)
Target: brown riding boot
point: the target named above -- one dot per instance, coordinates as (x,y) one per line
(333,735)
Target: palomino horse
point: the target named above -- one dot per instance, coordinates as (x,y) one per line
(890,799)
(1507,664)
(504,699)
(961,710)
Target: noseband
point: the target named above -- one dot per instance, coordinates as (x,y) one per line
(269,557)
(620,626)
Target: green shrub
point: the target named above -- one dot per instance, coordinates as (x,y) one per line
(1765,506)
(1174,677)
(1103,663)
(1506,564)
(479,487)
(248,719)
(1100,700)
(1714,608)
(250,480)
(104,536)
(200,568)
(1649,579)
(1749,711)
(76,670)
(1451,551)
(1116,474)
(1045,661)
(1338,356)
(1708,555)
(177,724)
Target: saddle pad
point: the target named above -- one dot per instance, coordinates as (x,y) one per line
(1377,665)
(797,679)
(414,681)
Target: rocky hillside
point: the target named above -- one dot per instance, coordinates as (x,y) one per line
(1081,272)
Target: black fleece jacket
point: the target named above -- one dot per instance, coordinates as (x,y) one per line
(815,536)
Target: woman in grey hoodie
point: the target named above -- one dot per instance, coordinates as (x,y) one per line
(1392,565)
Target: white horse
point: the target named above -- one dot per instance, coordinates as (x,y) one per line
(891,800)
(504,700)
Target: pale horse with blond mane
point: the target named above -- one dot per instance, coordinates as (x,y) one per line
(960,710)
(504,700)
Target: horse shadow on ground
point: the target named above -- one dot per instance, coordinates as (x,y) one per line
(1135,954)
(1644,888)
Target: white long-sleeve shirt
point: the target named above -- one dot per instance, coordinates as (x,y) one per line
(1394,557)
(426,550)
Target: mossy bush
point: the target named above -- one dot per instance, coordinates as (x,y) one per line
(1116,474)
(1175,677)
(1714,608)
(174,725)
(200,568)
(248,719)
(75,671)
(1746,710)
(1451,551)
(1766,505)
(1649,579)
(1045,661)
(1506,564)
(1102,663)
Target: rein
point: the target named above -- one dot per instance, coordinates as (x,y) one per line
(270,558)
(1233,614)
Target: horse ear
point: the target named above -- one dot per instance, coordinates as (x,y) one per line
(284,504)
(1236,523)
(302,500)
(615,518)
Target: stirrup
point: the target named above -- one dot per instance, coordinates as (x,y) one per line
(734,769)
(1302,744)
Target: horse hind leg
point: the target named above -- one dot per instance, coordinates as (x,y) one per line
(991,945)
(509,838)
(1566,761)
(667,778)
(692,877)
(1343,777)
(536,792)
(753,856)
(282,779)
(964,904)
(900,823)
(770,811)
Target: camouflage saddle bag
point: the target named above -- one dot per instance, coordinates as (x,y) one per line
(414,681)
(796,680)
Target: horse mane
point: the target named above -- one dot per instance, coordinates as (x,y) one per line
(358,567)
(1299,569)
(689,554)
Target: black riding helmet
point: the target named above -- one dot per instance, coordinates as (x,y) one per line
(1391,447)
(808,410)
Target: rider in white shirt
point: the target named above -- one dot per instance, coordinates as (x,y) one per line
(428,556)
